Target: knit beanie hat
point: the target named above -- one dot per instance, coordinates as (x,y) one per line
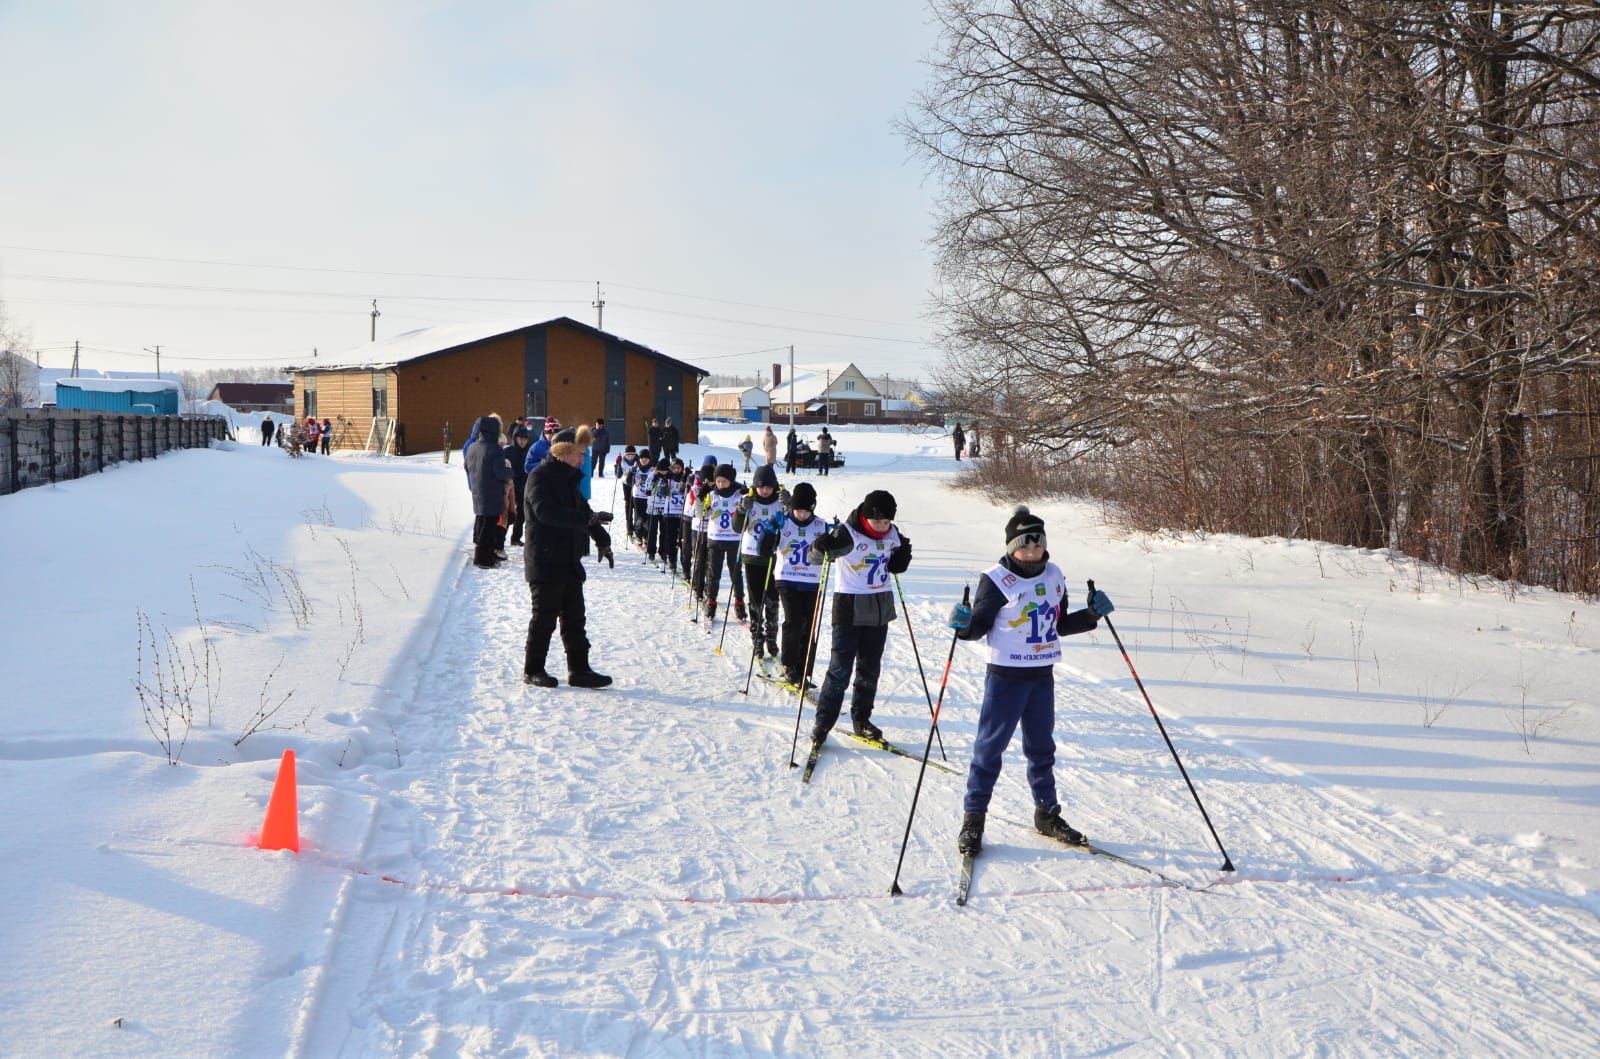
(804,497)
(645,457)
(1022,524)
(764,476)
(709,463)
(725,470)
(878,504)
(627,450)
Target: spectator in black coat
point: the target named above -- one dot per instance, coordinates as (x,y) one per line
(560,525)
(488,469)
(600,447)
(669,440)
(653,435)
(791,451)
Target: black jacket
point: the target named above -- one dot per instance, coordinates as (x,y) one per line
(874,609)
(488,470)
(986,607)
(669,438)
(559,524)
(600,444)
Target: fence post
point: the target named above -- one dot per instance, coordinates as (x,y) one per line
(50,445)
(77,447)
(13,460)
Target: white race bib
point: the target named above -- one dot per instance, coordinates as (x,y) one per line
(1024,632)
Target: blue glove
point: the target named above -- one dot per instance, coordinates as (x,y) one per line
(960,617)
(1100,604)
(772,525)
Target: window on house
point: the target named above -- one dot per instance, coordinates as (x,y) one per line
(833,408)
(380,395)
(849,384)
(534,403)
(311,396)
(616,407)
(869,409)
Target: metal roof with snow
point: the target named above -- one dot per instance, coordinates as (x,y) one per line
(434,341)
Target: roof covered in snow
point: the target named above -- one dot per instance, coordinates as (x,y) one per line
(121,385)
(812,381)
(444,338)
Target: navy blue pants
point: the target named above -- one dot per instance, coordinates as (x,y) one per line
(857,647)
(1006,703)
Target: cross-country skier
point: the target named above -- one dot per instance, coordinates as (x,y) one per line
(797,576)
(638,483)
(867,549)
(764,503)
(1021,608)
(722,540)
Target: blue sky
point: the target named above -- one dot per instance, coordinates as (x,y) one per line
(691,156)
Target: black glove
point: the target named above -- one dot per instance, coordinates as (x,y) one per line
(606,554)
(600,518)
(900,557)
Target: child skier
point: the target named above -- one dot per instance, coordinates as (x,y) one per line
(640,481)
(764,503)
(698,503)
(656,510)
(797,575)
(1021,607)
(626,463)
(673,488)
(722,540)
(868,550)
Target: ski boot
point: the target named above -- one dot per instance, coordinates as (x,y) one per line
(970,841)
(711,611)
(738,609)
(867,730)
(1048,822)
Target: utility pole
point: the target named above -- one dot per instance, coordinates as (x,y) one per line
(791,387)
(157,352)
(599,307)
(74,358)
(373,335)
(827,376)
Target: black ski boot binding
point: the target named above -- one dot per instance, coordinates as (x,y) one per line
(1048,822)
(970,841)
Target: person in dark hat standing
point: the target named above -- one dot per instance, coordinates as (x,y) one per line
(488,471)
(1021,609)
(521,438)
(761,506)
(867,550)
(560,526)
(797,573)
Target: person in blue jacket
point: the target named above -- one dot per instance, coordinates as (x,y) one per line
(1021,609)
(541,448)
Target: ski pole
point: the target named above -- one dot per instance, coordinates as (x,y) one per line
(944,682)
(755,644)
(732,573)
(918,656)
(811,655)
(1227,861)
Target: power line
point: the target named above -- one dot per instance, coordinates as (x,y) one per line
(445,275)
(776,327)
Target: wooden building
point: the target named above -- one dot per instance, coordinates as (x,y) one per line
(837,393)
(254,396)
(431,385)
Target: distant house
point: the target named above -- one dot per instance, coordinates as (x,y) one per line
(438,379)
(140,396)
(740,403)
(255,396)
(19,382)
(838,392)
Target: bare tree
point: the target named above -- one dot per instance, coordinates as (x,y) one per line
(1320,269)
(19,376)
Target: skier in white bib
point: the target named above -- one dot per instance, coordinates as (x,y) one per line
(1021,608)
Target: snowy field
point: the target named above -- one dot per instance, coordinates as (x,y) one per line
(1403,765)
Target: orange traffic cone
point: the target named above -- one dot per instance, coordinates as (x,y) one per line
(281,829)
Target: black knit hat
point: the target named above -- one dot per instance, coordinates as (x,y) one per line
(725,470)
(764,475)
(644,454)
(878,504)
(1022,523)
(804,497)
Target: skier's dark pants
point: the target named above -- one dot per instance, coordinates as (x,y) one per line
(718,553)
(599,468)
(702,558)
(554,600)
(627,512)
(799,607)
(266,437)
(854,646)
(641,518)
(667,539)
(686,544)
(763,599)
(1006,701)
(485,539)
(652,533)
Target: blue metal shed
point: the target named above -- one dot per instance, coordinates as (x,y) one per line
(139,396)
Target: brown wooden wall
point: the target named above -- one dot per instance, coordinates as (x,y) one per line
(460,387)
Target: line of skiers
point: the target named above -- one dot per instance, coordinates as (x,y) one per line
(778,551)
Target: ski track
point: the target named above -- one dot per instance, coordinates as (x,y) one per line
(639,872)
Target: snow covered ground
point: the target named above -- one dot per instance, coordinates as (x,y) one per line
(1403,766)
